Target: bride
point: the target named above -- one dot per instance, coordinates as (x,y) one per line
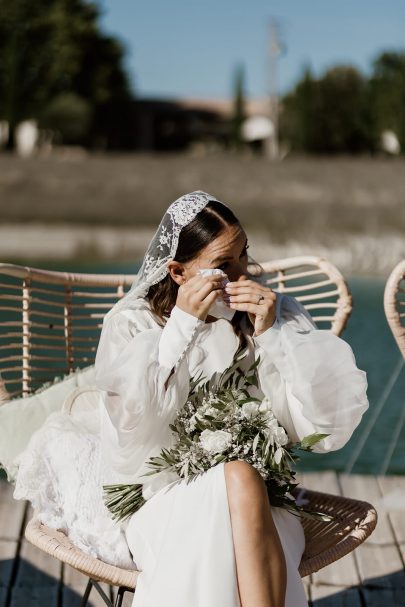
(215,541)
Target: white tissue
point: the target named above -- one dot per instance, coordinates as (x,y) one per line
(219,309)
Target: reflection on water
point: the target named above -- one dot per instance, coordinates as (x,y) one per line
(377,353)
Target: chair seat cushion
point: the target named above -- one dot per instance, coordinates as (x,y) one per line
(83,404)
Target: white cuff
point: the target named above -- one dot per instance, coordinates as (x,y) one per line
(269,340)
(177,335)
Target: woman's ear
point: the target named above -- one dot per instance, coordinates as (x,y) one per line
(176,271)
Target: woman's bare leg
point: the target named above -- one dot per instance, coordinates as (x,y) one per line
(260,561)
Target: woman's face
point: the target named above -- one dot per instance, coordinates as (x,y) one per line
(228,252)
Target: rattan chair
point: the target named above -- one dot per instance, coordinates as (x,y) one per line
(50,325)
(394,304)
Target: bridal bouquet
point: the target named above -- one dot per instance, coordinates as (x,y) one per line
(221,422)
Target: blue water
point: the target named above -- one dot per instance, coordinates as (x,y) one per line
(376,353)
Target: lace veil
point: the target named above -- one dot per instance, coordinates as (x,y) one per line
(163,246)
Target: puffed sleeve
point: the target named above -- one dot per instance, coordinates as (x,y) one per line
(141,367)
(311,377)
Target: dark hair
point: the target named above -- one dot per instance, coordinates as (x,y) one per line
(204,228)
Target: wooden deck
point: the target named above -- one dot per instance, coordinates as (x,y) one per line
(372,576)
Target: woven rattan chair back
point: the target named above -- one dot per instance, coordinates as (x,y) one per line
(50,321)
(394,304)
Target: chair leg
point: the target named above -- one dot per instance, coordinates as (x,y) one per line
(118,601)
(103,595)
(86,594)
(120,595)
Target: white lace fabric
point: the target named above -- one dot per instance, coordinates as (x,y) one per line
(61,474)
(163,246)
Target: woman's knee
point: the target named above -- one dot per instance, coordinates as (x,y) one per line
(244,484)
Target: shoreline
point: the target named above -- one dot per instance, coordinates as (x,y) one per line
(35,243)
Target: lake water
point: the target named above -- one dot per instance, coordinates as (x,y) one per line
(376,353)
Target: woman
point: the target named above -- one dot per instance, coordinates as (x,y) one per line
(213,542)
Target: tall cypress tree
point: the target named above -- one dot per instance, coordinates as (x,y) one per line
(239,113)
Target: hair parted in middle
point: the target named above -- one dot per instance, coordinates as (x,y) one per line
(205,227)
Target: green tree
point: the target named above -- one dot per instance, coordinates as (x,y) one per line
(300,111)
(69,116)
(239,113)
(50,48)
(344,117)
(330,114)
(387,94)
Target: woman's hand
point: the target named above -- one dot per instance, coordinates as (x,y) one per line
(258,301)
(197,295)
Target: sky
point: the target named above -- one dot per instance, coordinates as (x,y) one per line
(191,49)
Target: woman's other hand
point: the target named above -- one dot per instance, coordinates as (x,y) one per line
(258,301)
(197,294)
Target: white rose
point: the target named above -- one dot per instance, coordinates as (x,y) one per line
(215,441)
(272,425)
(268,417)
(276,433)
(250,409)
(265,406)
(280,436)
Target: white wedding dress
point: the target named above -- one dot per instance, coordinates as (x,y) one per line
(181,539)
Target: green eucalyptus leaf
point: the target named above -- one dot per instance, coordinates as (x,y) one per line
(311,440)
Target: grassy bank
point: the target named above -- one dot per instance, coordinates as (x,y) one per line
(296,195)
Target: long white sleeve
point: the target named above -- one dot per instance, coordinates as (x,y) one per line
(177,336)
(134,364)
(311,377)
